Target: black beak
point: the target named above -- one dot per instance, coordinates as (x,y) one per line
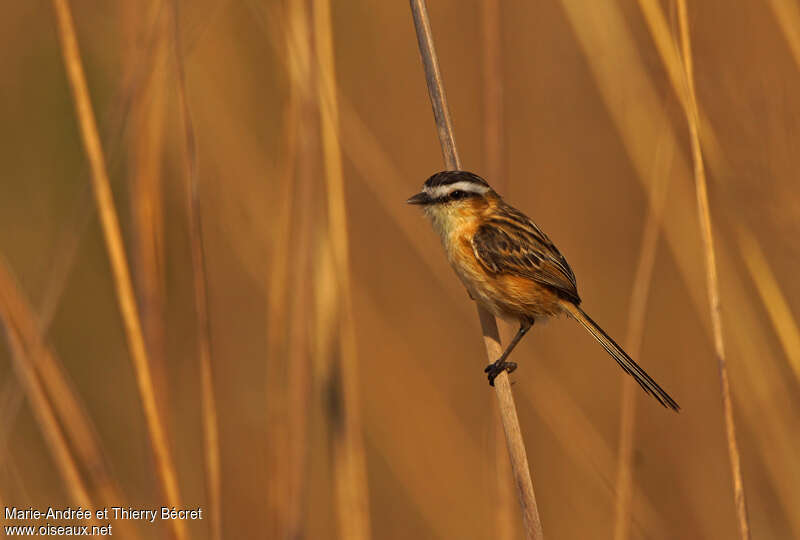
(420,198)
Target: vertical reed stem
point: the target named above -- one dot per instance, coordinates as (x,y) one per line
(704,213)
(200,286)
(119,265)
(348,445)
(287,359)
(508,412)
(303,223)
(148,105)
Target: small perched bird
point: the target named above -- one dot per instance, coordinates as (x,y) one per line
(509,266)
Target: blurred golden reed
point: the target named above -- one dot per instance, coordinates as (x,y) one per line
(290,350)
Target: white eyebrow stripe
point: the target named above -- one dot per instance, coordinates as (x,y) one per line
(470,187)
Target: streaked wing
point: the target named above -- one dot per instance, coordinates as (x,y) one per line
(510,243)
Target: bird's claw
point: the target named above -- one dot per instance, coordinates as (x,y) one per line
(495,369)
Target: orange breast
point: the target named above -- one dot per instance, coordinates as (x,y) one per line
(505,295)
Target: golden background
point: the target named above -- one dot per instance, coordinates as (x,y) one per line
(595,143)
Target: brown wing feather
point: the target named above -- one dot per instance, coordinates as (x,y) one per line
(509,242)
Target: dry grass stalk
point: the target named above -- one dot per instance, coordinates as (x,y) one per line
(73,416)
(11,399)
(288,333)
(787,15)
(770,401)
(298,354)
(42,409)
(119,265)
(46,418)
(665,45)
(286,449)
(10,403)
(68,243)
(775,303)
(508,413)
(634,106)
(148,104)
(69,408)
(493,147)
(200,288)
(288,381)
(298,257)
(633,341)
(348,445)
(712,279)
(15,478)
(281,503)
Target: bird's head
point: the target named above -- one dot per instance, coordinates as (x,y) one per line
(450,197)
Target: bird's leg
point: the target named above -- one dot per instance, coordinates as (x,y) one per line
(500,365)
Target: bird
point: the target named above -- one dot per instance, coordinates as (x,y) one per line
(510,267)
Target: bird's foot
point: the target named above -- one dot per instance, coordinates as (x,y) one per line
(495,369)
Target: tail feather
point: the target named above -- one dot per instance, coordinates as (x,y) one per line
(626,363)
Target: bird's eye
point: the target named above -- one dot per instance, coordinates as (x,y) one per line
(458,194)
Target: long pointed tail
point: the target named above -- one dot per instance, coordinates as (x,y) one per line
(631,368)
